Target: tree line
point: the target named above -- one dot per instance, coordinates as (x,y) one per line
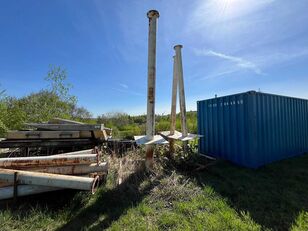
(126,126)
(56,101)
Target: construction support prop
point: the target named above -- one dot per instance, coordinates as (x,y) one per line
(173,105)
(150,125)
(179,72)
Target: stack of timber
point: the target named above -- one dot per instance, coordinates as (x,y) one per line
(22,176)
(57,133)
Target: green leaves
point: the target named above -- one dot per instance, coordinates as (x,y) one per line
(56,77)
(41,106)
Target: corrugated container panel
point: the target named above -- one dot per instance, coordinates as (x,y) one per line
(253,128)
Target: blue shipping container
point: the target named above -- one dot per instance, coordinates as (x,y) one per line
(253,128)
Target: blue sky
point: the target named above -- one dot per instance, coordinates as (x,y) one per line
(229,46)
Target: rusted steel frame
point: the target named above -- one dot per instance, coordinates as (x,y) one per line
(47,161)
(150,125)
(47,179)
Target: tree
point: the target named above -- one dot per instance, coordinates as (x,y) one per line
(118,119)
(44,105)
(56,77)
(55,101)
(3,113)
(80,113)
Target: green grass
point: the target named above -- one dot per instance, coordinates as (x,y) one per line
(223,197)
(274,195)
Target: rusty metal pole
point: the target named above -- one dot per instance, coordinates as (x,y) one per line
(16,162)
(173,106)
(47,179)
(179,66)
(150,125)
(70,170)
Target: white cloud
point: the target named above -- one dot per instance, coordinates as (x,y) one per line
(257,63)
(272,58)
(127,91)
(220,73)
(238,61)
(123,85)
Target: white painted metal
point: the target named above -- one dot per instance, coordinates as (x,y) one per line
(63,121)
(48,160)
(150,125)
(73,169)
(174,96)
(47,179)
(25,190)
(152,15)
(157,139)
(181,88)
(88,151)
(179,136)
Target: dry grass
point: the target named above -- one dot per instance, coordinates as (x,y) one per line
(172,197)
(174,187)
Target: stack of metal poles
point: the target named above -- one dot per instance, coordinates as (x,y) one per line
(21,176)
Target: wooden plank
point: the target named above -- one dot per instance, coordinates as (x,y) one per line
(100,135)
(42,134)
(108,131)
(67,127)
